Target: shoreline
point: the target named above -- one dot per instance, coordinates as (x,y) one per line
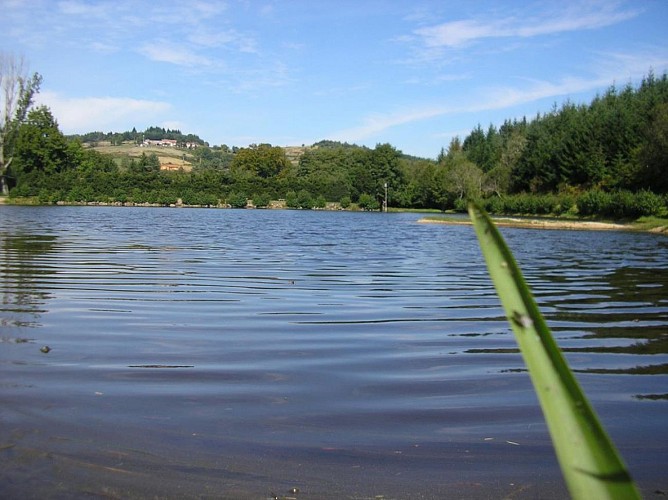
(552,224)
(500,221)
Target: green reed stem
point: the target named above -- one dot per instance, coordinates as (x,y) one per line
(590,463)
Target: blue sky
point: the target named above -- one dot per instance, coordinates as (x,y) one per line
(412,73)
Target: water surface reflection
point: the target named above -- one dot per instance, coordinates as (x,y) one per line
(238,354)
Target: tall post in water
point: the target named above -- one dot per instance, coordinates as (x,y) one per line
(385,200)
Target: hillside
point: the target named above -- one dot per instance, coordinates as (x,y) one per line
(294,153)
(173,158)
(170,158)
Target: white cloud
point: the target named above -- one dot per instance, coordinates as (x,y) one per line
(456,33)
(495,98)
(581,16)
(222,38)
(376,123)
(617,67)
(173,54)
(173,125)
(87,114)
(179,13)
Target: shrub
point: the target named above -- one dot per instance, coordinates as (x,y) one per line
(291,200)
(120,195)
(80,193)
(648,203)
(620,204)
(565,203)
(345,202)
(237,200)
(461,205)
(545,204)
(261,200)
(20,191)
(594,202)
(368,202)
(304,199)
(320,202)
(46,197)
(516,204)
(165,197)
(208,199)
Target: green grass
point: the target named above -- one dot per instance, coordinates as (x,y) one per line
(654,224)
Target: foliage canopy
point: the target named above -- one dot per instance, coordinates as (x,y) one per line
(615,149)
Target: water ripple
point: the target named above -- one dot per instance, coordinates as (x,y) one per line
(311,331)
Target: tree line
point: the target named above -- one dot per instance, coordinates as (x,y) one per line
(608,158)
(151,133)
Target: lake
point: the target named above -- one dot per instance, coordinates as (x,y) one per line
(198,353)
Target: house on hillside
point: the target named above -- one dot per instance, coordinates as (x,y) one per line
(170,167)
(170,143)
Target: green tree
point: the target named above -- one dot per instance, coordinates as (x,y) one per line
(237,200)
(475,147)
(261,200)
(385,167)
(263,161)
(498,180)
(320,202)
(652,154)
(304,199)
(454,148)
(17,91)
(291,200)
(423,184)
(462,179)
(40,146)
(368,202)
(325,171)
(150,163)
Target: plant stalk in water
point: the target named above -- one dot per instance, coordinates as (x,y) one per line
(590,463)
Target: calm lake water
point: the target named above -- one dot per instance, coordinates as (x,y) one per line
(240,354)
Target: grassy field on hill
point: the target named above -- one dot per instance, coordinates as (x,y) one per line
(169,157)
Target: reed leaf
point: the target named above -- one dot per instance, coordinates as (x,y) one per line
(590,463)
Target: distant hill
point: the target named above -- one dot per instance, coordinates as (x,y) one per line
(133,136)
(175,149)
(171,158)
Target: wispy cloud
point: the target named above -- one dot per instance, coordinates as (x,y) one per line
(579,16)
(229,38)
(84,114)
(377,123)
(165,51)
(495,98)
(181,33)
(183,13)
(617,67)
